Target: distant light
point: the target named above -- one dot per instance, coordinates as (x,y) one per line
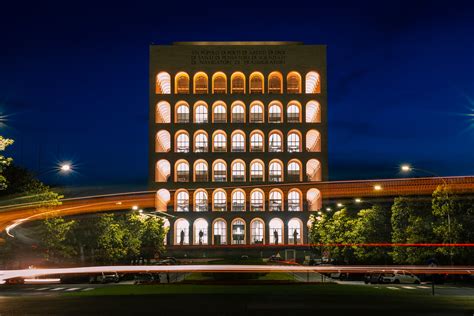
(135,207)
(406,168)
(358,200)
(319,213)
(377,187)
(339,205)
(140,211)
(65,167)
(328,209)
(119,203)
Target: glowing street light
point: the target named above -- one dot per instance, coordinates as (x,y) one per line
(135,207)
(377,187)
(406,168)
(328,209)
(65,167)
(340,205)
(358,200)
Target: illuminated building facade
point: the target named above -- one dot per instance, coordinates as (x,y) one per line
(235,129)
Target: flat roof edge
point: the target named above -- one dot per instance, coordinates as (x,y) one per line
(243,43)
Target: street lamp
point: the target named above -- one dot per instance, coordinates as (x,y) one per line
(407,168)
(65,167)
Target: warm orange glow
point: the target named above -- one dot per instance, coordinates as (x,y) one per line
(219,83)
(293,82)
(313,83)
(237,83)
(275,83)
(200,83)
(256,83)
(181,83)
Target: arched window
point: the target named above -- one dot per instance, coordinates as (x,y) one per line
(256,112)
(162,199)
(200,171)
(275,82)
(163,170)
(237,83)
(313,82)
(219,83)
(219,171)
(257,171)
(295,229)
(219,232)
(181,83)
(238,231)
(294,142)
(256,141)
(181,232)
(219,201)
(200,232)
(182,112)
(200,83)
(313,141)
(257,201)
(315,201)
(166,228)
(238,201)
(275,143)
(294,171)
(275,113)
(219,113)
(182,142)
(163,83)
(293,112)
(276,231)
(238,113)
(182,201)
(256,83)
(219,142)
(182,171)
(275,201)
(313,170)
(163,113)
(163,142)
(238,171)
(313,112)
(294,201)
(275,173)
(238,141)
(257,231)
(200,200)
(200,113)
(200,142)
(293,82)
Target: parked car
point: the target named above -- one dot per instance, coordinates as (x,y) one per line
(147,278)
(14,281)
(111,277)
(400,277)
(373,278)
(275,258)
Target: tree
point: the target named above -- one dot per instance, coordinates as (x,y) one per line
(54,238)
(133,224)
(372,226)
(4,161)
(411,223)
(453,222)
(337,229)
(111,246)
(154,234)
(25,188)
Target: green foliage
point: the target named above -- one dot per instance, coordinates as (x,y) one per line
(372,226)
(111,245)
(4,161)
(23,187)
(453,222)
(411,223)
(154,234)
(55,238)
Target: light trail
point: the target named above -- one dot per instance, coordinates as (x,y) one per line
(32,273)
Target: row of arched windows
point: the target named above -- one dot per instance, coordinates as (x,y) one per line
(219,202)
(201,234)
(238,171)
(275,112)
(238,83)
(237,141)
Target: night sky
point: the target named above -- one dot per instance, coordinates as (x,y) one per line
(74,80)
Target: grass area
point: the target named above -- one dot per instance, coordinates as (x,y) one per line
(277,276)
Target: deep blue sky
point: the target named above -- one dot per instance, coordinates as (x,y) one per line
(73,79)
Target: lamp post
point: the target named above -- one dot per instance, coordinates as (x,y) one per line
(407,168)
